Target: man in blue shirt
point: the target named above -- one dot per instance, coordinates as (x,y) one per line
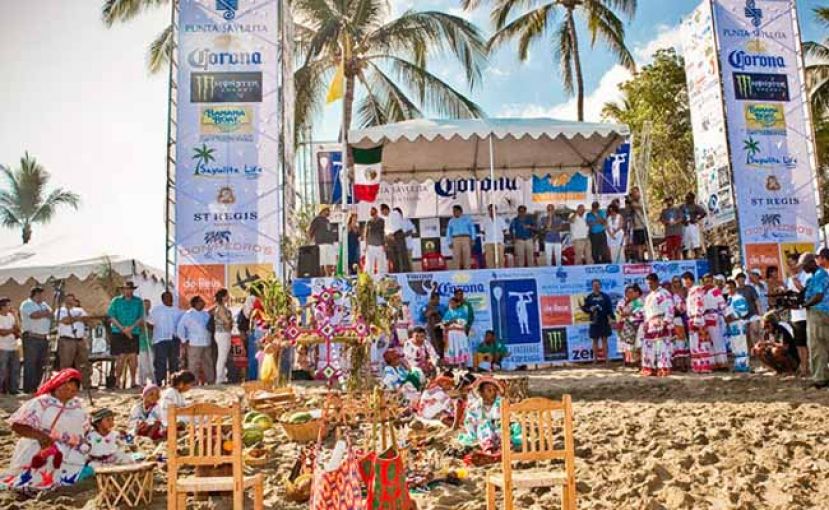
(817,304)
(164,321)
(523,230)
(459,234)
(597,220)
(193,333)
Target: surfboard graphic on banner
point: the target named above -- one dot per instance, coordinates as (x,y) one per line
(368,166)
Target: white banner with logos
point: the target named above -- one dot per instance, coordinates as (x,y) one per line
(227,139)
(769,130)
(707,117)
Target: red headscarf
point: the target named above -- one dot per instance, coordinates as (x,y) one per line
(58,380)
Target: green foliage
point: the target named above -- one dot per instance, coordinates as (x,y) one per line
(817,82)
(297,236)
(25,201)
(658,93)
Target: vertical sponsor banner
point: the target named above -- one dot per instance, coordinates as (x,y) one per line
(536,312)
(614,177)
(714,185)
(768,123)
(227,134)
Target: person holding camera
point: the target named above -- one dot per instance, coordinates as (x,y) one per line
(795,286)
(777,350)
(817,306)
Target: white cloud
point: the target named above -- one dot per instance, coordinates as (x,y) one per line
(606,91)
(667,36)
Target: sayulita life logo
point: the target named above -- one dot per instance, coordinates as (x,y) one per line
(204,158)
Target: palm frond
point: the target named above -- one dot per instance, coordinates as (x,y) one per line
(161,50)
(603,22)
(370,111)
(124,10)
(529,27)
(822,15)
(312,80)
(626,7)
(503,9)
(56,198)
(564,53)
(395,103)
(413,34)
(9,218)
(433,93)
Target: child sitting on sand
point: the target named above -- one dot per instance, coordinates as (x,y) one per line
(145,420)
(482,422)
(104,444)
(491,352)
(398,377)
(180,383)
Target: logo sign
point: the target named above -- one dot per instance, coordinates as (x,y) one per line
(206,59)
(556,311)
(614,176)
(743,60)
(761,87)
(226,87)
(220,120)
(754,13)
(204,157)
(756,158)
(450,188)
(767,119)
(555,344)
(560,186)
(228,8)
(515,310)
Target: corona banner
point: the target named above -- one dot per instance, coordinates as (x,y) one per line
(227,190)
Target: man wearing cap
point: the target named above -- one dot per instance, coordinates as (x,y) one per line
(817,306)
(35,322)
(320,233)
(72,351)
(126,316)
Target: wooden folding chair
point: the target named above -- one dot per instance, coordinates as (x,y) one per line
(538,419)
(202,435)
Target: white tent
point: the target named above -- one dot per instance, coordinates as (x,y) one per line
(432,149)
(43,263)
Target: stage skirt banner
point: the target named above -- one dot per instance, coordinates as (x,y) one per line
(535,311)
(227,215)
(769,129)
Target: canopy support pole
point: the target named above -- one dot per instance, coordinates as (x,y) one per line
(494,210)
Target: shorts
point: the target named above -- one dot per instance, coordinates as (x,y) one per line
(122,344)
(328,255)
(640,237)
(691,238)
(800,335)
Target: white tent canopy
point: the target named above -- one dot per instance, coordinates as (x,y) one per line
(433,149)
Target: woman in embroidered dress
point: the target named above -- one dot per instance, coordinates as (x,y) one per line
(457,343)
(482,419)
(104,444)
(630,312)
(52,426)
(436,403)
(144,419)
(658,330)
(736,318)
(681,358)
(698,339)
(420,353)
(400,378)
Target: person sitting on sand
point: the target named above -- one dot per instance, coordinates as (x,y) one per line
(493,352)
(777,350)
(400,378)
(630,313)
(437,402)
(104,442)
(145,420)
(420,353)
(482,420)
(52,426)
(180,383)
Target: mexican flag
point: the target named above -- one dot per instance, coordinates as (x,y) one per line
(367,171)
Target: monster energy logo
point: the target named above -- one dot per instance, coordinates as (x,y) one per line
(762,87)
(226,87)
(556,343)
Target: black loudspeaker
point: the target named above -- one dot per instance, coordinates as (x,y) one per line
(719,260)
(308,263)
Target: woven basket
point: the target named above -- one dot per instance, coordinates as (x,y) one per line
(257,461)
(302,432)
(298,492)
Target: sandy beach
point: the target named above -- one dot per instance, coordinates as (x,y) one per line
(717,442)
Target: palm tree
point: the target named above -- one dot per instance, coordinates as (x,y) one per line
(751,148)
(543,20)
(817,67)
(23,203)
(203,156)
(388,58)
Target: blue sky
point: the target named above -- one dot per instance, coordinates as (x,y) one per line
(77,96)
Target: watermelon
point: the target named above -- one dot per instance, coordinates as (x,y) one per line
(262,422)
(252,435)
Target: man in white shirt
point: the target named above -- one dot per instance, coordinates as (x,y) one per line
(72,350)
(796,283)
(193,333)
(580,235)
(494,227)
(164,319)
(395,228)
(35,322)
(9,358)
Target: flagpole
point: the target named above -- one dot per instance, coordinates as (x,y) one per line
(344,171)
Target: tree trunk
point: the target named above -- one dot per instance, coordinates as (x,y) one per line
(27,233)
(574,43)
(348,107)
